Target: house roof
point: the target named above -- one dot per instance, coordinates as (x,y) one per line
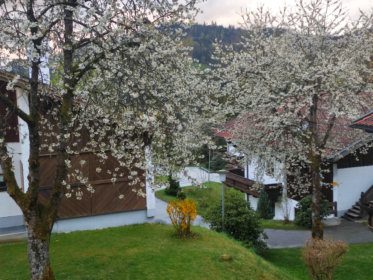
(8,76)
(365,122)
(345,138)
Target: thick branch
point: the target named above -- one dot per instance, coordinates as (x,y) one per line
(65,112)
(329,129)
(13,107)
(34,164)
(9,176)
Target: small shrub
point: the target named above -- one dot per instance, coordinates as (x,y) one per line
(182,213)
(181,195)
(264,207)
(240,221)
(303,213)
(217,163)
(322,257)
(174,186)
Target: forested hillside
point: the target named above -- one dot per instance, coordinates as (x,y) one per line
(203,36)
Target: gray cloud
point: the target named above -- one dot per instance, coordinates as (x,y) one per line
(227,12)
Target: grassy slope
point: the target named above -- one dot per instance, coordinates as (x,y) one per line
(141,252)
(211,194)
(356,265)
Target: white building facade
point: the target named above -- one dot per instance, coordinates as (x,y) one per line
(11,214)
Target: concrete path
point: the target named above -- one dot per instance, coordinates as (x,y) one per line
(12,234)
(278,238)
(350,232)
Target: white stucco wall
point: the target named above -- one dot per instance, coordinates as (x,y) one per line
(7,206)
(351,182)
(252,173)
(231,150)
(253,202)
(285,207)
(196,175)
(280,209)
(101,221)
(149,182)
(10,213)
(22,102)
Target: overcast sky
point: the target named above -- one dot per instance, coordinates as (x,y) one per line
(227,12)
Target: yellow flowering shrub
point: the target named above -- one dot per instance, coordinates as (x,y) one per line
(182,214)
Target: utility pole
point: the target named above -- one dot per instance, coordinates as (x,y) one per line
(222,206)
(208,180)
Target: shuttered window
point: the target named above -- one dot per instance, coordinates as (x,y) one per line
(2,183)
(10,118)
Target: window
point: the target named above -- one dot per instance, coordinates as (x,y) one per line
(2,183)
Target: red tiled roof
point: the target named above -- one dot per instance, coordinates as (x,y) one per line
(342,132)
(365,122)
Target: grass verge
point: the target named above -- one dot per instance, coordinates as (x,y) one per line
(356,264)
(277,224)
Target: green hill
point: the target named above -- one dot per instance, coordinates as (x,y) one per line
(148,251)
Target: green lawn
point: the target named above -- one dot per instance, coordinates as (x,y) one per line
(211,194)
(276,224)
(356,265)
(161,179)
(148,251)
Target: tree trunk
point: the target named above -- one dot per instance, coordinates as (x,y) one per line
(315,159)
(317,226)
(38,239)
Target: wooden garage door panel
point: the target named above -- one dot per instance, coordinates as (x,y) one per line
(106,199)
(72,207)
(48,167)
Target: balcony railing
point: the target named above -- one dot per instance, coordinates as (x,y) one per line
(240,183)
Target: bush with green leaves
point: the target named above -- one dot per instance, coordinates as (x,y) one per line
(173,186)
(264,208)
(303,213)
(181,195)
(217,163)
(240,221)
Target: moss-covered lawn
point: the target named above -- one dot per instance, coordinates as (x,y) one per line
(148,251)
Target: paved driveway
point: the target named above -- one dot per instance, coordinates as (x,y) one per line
(349,232)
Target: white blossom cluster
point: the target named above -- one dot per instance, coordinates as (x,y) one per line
(126,78)
(299,79)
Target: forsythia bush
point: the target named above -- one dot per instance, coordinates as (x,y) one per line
(182,213)
(322,257)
